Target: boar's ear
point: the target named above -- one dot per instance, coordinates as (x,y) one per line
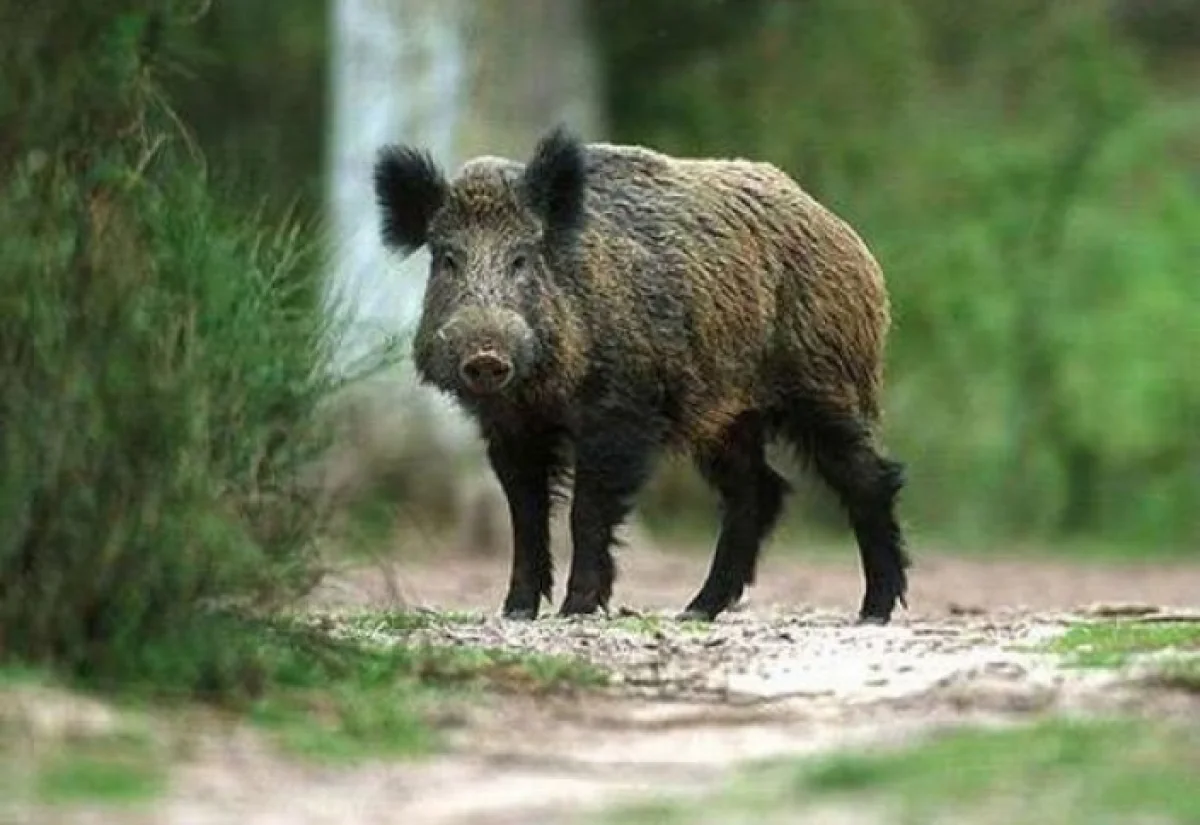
(554,180)
(409,188)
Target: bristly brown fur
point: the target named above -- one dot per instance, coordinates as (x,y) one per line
(650,302)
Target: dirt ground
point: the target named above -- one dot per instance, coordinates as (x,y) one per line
(787,675)
(654,576)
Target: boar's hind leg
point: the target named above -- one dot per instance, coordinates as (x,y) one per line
(751,501)
(867,484)
(526,465)
(613,459)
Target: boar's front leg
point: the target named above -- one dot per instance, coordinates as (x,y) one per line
(613,460)
(525,465)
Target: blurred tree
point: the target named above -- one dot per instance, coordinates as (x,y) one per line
(458,78)
(253,87)
(1169,26)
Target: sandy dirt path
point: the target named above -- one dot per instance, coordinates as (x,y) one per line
(789,675)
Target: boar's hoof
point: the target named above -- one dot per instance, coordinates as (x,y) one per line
(706,607)
(693,614)
(579,604)
(869,620)
(520,614)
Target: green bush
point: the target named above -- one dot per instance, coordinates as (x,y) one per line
(164,359)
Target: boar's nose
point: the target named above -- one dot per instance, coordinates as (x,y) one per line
(486,371)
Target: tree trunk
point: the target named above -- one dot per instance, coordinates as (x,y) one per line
(460,78)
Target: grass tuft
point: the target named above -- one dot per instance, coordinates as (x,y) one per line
(1113,644)
(345,696)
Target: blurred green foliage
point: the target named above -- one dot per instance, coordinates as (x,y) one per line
(254,95)
(1032,189)
(1027,171)
(162,354)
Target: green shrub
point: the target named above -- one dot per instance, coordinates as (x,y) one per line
(164,359)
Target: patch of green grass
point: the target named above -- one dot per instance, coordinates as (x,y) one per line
(654,812)
(345,722)
(1052,773)
(344,691)
(1055,772)
(47,757)
(117,769)
(374,701)
(1111,644)
(653,624)
(334,689)
(19,674)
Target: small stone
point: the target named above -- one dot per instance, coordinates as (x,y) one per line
(1112,610)
(1008,670)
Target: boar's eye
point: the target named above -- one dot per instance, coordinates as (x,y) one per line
(520,262)
(447,262)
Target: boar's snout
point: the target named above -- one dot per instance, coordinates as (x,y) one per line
(480,350)
(486,371)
